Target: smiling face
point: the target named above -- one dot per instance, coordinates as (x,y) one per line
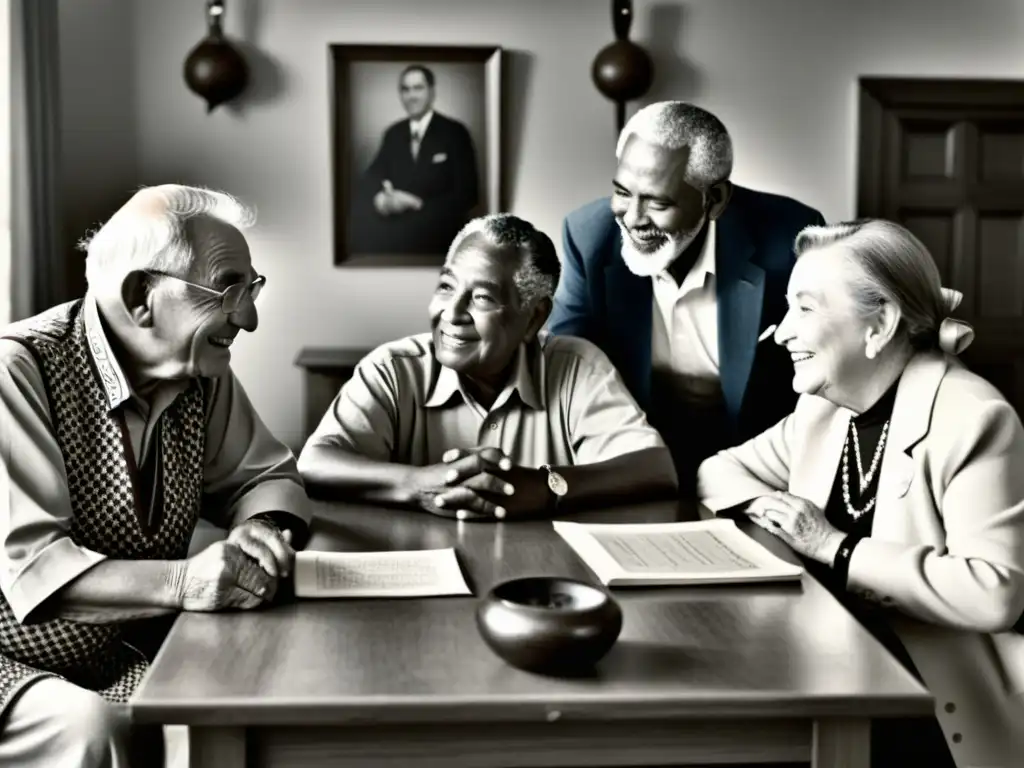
(824,333)
(476,317)
(416,93)
(194,332)
(658,212)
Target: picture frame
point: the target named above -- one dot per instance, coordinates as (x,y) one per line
(374,119)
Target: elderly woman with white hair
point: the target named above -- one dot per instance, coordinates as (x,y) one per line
(899,478)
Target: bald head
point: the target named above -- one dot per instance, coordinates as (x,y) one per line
(148,201)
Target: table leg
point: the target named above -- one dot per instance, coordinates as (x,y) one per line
(216,747)
(841,743)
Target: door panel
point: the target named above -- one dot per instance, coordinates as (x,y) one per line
(946,159)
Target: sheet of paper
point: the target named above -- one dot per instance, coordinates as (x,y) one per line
(698,552)
(418,573)
(675,552)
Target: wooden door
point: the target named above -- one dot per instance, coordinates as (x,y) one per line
(945,158)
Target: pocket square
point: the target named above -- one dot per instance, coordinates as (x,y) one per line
(440,157)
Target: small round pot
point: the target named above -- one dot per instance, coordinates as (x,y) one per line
(549,625)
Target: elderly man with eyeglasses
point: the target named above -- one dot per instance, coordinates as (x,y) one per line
(121,423)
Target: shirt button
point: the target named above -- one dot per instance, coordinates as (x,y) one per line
(950,707)
(957,738)
(493,426)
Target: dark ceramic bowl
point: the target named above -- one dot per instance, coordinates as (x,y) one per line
(549,625)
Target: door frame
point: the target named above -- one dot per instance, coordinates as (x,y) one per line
(878,93)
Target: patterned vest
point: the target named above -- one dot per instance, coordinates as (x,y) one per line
(109,515)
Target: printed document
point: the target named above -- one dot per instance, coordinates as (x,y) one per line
(646,554)
(417,573)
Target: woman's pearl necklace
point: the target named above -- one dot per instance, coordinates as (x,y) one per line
(865,479)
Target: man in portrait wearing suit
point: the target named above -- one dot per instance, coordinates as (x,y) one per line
(678,276)
(420,188)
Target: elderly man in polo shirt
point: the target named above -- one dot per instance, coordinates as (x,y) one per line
(120,424)
(482,419)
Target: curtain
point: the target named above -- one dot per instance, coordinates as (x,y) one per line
(5,165)
(37,262)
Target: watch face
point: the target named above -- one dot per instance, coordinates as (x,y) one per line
(557,484)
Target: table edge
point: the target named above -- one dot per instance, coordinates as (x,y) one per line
(392,710)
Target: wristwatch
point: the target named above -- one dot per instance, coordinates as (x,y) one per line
(556,484)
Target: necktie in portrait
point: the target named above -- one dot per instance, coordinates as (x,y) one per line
(415,143)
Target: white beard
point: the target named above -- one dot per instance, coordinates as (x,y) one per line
(651,263)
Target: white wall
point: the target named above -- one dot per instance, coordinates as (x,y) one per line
(99,136)
(781,74)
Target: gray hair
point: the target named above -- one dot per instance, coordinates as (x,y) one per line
(894,266)
(539,268)
(150,232)
(677,124)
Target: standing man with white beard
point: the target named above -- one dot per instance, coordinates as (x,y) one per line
(678,276)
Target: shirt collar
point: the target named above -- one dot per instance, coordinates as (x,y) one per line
(706,261)
(522,381)
(116,387)
(108,370)
(703,266)
(422,123)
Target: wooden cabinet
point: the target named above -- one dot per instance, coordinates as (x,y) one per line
(325,369)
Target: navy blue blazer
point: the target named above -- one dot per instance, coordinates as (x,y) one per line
(599,299)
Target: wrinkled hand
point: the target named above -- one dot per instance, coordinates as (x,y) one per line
(223,576)
(483,484)
(531,497)
(799,523)
(263,542)
(465,485)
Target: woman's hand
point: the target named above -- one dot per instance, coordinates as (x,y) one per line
(799,523)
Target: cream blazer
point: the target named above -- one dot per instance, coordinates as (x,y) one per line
(946,551)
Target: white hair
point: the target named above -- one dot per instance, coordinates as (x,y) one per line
(149,232)
(538,273)
(677,124)
(895,267)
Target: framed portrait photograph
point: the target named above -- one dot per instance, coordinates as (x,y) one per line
(416,149)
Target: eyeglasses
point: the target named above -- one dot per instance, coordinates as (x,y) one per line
(231,298)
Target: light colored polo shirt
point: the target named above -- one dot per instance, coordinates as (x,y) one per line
(684,331)
(565,404)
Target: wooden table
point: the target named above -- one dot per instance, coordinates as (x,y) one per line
(710,675)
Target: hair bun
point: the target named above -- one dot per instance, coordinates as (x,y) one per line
(951,299)
(955,336)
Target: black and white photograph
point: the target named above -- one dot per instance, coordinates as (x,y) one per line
(417,130)
(511,384)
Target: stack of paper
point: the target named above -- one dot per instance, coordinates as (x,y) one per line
(419,573)
(645,554)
